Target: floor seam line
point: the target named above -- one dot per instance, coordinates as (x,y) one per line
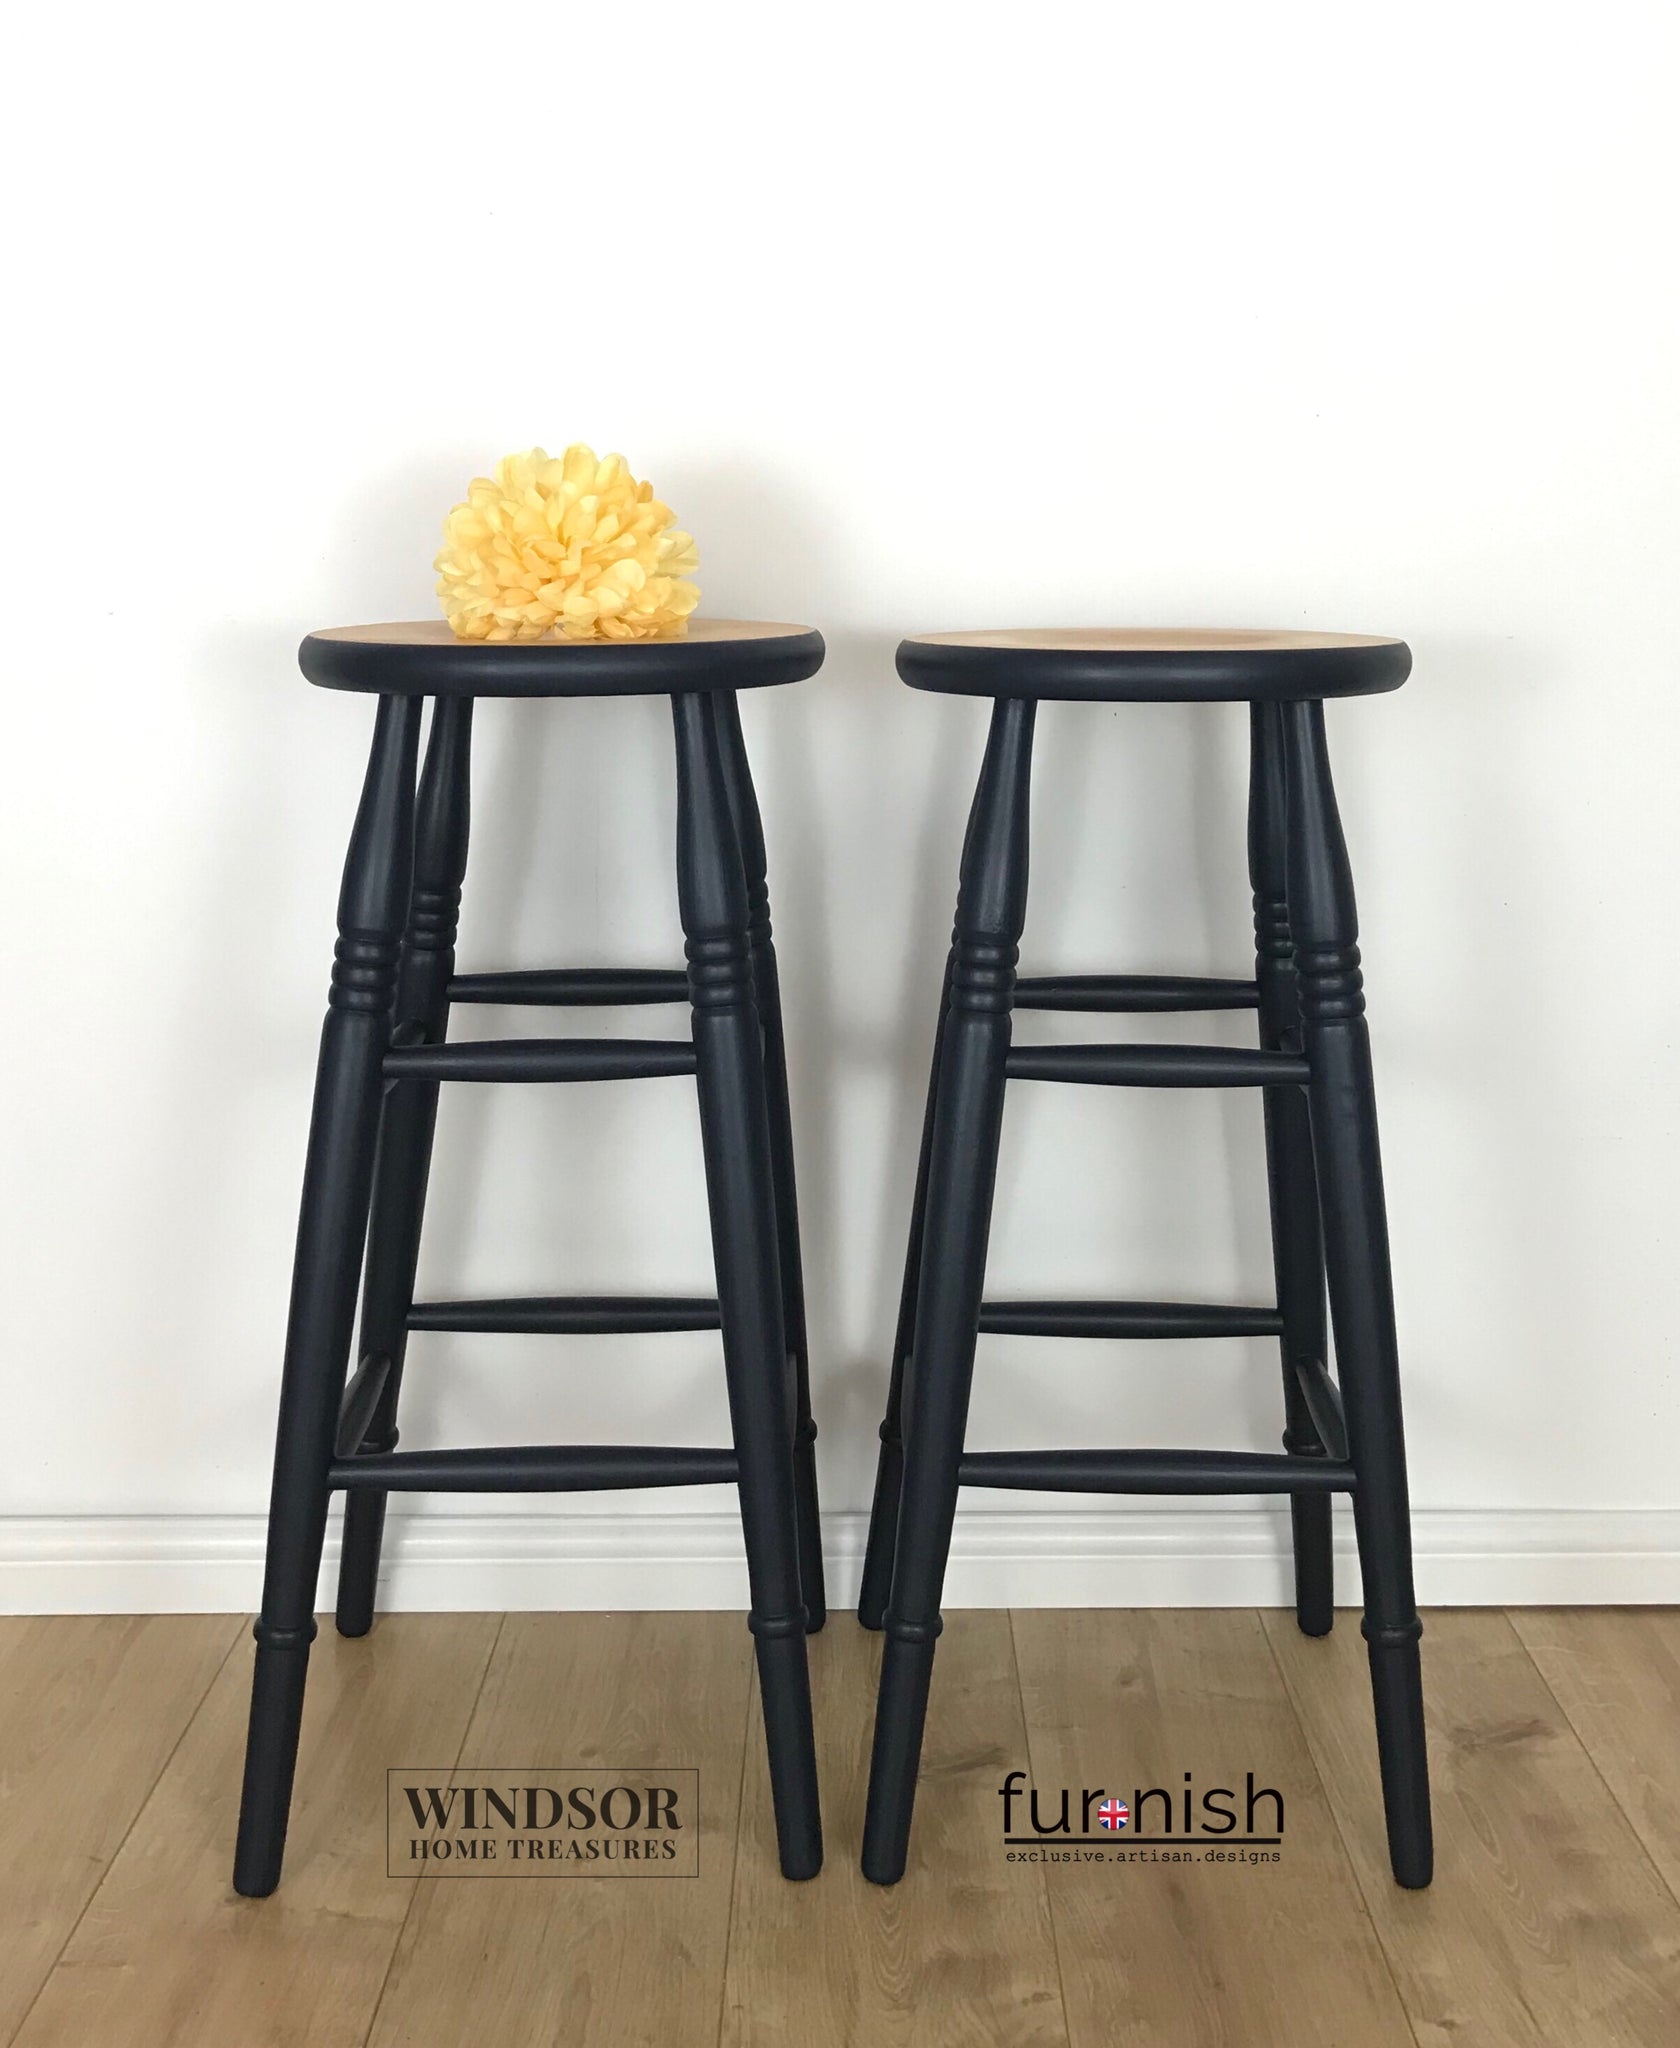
(414,1893)
(134,1821)
(1586,1751)
(1341,1832)
(1044,1872)
(735,1864)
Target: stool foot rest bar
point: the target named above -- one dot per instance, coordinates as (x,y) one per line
(544,1059)
(385,1053)
(535,1468)
(1152,1472)
(1134,993)
(563,988)
(1125,1319)
(1149,1066)
(572,1315)
(1312,1068)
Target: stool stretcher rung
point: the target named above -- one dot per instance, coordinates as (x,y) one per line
(1324,1404)
(1155,1472)
(1155,1066)
(536,1468)
(573,987)
(1134,992)
(1126,1319)
(545,1059)
(577,1315)
(361,1398)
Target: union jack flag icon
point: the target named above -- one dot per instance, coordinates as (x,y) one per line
(1113,1814)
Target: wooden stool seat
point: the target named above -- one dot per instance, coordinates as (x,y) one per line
(423,658)
(1154,664)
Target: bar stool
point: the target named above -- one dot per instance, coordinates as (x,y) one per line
(384,1051)
(1313,1067)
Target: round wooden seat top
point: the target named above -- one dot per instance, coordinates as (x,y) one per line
(1153,664)
(422,657)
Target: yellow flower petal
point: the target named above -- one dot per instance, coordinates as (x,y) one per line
(574,545)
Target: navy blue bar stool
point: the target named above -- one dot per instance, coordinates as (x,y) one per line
(384,1051)
(1313,1068)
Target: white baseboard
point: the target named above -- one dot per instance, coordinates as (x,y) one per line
(1115,1557)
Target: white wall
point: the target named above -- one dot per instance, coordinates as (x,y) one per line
(1293,315)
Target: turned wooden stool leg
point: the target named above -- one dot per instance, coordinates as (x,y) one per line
(735,1135)
(337,1181)
(882,1546)
(749,826)
(1297,1247)
(1344,1131)
(404,1156)
(889,1468)
(962,1167)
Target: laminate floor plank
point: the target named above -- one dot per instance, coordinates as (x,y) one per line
(1551,1923)
(1546,1926)
(1197,1953)
(1615,1671)
(596,1961)
(90,1708)
(960,1953)
(168,1956)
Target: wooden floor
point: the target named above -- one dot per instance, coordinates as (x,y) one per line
(1554,1921)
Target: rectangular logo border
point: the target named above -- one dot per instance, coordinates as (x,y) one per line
(497,1876)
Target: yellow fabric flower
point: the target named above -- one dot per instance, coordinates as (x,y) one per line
(575,546)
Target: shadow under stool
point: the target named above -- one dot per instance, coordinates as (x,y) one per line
(1313,1067)
(384,1051)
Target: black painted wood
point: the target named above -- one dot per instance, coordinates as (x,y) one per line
(1323,1399)
(572,1315)
(1125,1319)
(1153,1472)
(382,1062)
(427,660)
(1324,927)
(735,1135)
(1266,669)
(1134,993)
(535,1468)
(361,1399)
(1097,992)
(544,1059)
(1292,1185)
(1155,1066)
(442,816)
(564,988)
(337,1185)
(962,1165)
(876,1584)
(749,826)
(1313,1067)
